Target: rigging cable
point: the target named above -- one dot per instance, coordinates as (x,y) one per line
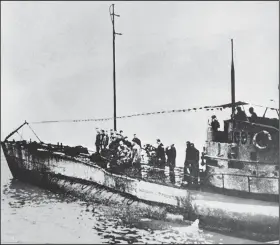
(20,135)
(208,108)
(34,133)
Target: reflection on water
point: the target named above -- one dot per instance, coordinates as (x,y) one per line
(32,215)
(29,211)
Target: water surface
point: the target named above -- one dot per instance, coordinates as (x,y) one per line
(32,215)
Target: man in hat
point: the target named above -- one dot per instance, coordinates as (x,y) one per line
(215,124)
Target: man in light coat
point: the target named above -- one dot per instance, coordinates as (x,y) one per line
(136,154)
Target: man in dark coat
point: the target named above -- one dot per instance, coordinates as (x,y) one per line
(105,140)
(114,142)
(102,136)
(194,164)
(171,156)
(112,137)
(254,116)
(240,115)
(136,140)
(171,161)
(215,124)
(187,163)
(160,154)
(98,141)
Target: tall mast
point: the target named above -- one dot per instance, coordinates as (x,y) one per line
(232,81)
(112,15)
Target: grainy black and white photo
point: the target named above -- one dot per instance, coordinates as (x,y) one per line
(140,122)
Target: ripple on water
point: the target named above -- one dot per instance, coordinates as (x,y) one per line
(32,215)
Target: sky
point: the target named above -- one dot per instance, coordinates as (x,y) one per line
(56,64)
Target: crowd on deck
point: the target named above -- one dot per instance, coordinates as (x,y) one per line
(129,152)
(125,150)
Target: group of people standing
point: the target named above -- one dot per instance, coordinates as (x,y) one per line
(167,156)
(164,155)
(117,143)
(105,140)
(129,151)
(241,115)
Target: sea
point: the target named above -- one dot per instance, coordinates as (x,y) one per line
(33,215)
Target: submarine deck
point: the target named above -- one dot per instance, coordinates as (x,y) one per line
(165,177)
